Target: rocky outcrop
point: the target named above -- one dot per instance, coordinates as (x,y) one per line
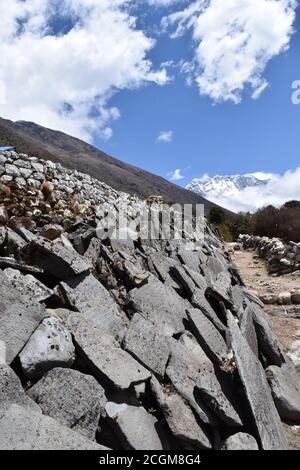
(127,344)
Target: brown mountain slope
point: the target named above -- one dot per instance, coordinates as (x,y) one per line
(73,153)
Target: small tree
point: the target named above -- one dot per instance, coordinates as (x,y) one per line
(266,222)
(292,204)
(240,224)
(216,215)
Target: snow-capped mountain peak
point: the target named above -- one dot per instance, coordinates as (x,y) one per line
(228,186)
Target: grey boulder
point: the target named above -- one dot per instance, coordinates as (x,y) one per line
(50,346)
(17,322)
(200,302)
(161,305)
(183,372)
(109,362)
(179,416)
(144,341)
(135,427)
(267,340)
(160,266)
(209,386)
(240,441)
(252,375)
(28,285)
(12,392)
(248,329)
(208,336)
(89,297)
(73,399)
(21,429)
(189,258)
(285,386)
(57,257)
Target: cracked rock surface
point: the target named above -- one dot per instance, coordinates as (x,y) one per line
(129,343)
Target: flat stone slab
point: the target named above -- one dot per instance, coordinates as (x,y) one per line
(257,390)
(144,341)
(184,280)
(238,297)
(160,305)
(14,243)
(160,266)
(213,268)
(211,392)
(285,386)
(50,346)
(18,319)
(240,441)
(208,336)
(180,418)
(209,386)
(222,286)
(12,392)
(57,258)
(200,302)
(85,333)
(135,427)
(183,372)
(28,285)
(190,258)
(89,297)
(248,329)
(93,251)
(111,363)
(267,340)
(197,278)
(71,398)
(21,429)
(12,263)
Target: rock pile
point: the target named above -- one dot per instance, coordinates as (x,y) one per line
(42,191)
(282,258)
(121,344)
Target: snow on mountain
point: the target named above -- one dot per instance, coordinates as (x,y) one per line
(225,185)
(237,192)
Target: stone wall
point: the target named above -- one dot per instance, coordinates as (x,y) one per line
(118,344)
(31,172)
(282,258)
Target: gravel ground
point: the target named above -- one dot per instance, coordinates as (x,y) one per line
(285,319)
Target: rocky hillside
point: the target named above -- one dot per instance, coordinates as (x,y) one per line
(126,345)
(73,153)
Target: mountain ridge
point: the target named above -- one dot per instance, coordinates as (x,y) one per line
(74,153)
(225,185)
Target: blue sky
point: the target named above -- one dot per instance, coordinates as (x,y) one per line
(213,138)
(111,72)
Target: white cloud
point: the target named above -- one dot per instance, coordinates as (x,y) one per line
(234,40)
(165,136)
(64,79)
(176,175)
(277,192)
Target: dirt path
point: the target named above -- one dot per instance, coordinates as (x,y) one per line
(285,319)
